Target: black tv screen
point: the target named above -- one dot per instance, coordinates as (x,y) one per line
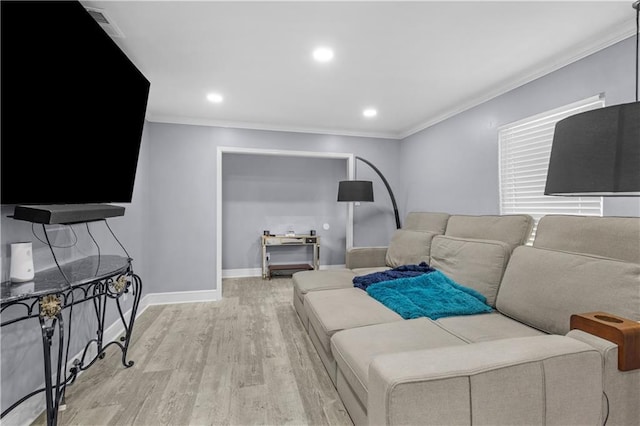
(73,107)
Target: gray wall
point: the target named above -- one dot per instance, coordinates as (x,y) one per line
(264,192)
(182,195)
(21,358)
(453,165)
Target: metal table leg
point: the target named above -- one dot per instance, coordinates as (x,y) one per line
(52,312)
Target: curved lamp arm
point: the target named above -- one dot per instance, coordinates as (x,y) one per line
(393,199)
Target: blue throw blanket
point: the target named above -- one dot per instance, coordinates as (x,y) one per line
(404,271)
(432,295)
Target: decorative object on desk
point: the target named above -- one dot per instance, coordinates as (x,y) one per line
(312,232)
(22,262)
(265,232)
(362,190)
(290,233)
(597,153)
(50,306)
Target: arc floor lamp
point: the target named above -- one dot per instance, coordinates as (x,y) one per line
(597,153)
(362,190)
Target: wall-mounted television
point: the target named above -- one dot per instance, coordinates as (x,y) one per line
(73,107)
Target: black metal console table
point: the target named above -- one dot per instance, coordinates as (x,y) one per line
(94,278)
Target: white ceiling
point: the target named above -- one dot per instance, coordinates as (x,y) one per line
(416,62)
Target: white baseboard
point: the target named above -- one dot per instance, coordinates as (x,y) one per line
(27,412)
(241,273)
(179,297)
(324,267)
(257,272)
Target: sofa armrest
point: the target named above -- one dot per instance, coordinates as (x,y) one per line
(622,331)
(622,388)
(532,380)
(366,257)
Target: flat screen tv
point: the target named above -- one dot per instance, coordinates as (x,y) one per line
(73,107)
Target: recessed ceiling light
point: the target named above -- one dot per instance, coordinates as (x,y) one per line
(369,112)
(323,54)
(216,98)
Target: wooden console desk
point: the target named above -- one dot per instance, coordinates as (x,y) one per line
(289,241)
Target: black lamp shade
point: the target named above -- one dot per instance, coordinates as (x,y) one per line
(355,190)
(597,153)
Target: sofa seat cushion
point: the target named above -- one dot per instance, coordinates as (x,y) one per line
(485,327)
(333,310)
(367,271)
(306,281)
(356,348)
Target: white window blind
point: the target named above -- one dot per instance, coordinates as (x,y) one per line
(525,147)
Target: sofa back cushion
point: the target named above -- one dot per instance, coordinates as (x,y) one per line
(409,248)
(513,230)
(423,221)
(478,264)
(412,244)
(612,237)
(543,288)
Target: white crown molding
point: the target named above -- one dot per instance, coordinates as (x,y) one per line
(554,64)
(157,118)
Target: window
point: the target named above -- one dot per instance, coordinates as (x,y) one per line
(524,150)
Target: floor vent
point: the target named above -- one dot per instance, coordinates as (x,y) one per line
(107,24)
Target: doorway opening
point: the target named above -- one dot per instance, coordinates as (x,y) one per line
(221,151)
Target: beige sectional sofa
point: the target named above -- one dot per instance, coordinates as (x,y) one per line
(518,364)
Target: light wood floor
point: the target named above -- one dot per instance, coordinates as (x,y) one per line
(243,360)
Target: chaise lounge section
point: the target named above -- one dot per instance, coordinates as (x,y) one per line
(409,245)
